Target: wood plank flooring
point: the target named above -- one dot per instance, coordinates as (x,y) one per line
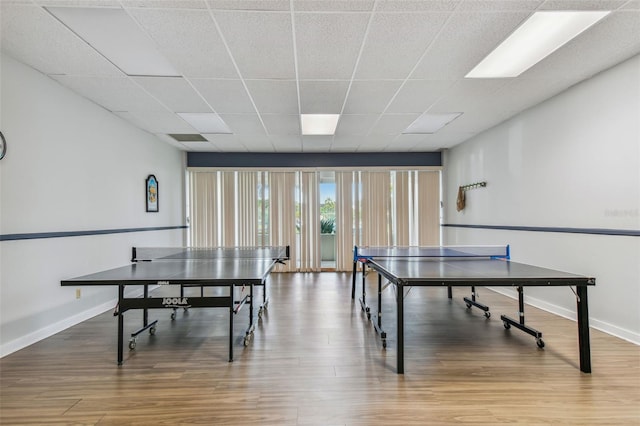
(316,360)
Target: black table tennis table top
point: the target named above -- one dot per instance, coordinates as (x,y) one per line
(231,271)
(464,272)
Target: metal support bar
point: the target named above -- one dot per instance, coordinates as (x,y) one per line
(377,323)
(520,324)
(145,327)
(473,302)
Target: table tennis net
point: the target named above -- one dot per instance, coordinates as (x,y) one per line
(141,254)
(433,252)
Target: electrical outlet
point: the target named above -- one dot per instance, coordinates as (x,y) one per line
(78,294)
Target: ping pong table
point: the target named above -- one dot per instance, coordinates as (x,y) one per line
(233,268)
(451,266)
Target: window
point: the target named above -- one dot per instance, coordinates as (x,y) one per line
(320,214)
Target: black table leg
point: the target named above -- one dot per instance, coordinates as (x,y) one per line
(353,280)
(120,323)
(400,328)
(145,311)
(231,313)
(583,330)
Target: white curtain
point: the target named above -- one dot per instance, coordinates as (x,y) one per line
(427,216)
(203,209)
(247,213)
(258,208)
(402,208)
(228,207)
(309,222)
(376,203)
(282,215)
(346,223)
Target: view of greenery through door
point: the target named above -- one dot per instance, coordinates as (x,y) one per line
(328,219)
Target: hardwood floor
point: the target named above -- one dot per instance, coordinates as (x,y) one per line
(316,360)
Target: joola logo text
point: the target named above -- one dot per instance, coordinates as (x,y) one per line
(175,301)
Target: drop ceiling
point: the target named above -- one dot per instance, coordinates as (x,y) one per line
(258,65)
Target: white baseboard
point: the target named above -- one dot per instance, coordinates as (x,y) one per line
(50,330)
(605,327)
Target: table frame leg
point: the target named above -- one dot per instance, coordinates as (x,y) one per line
(584,342)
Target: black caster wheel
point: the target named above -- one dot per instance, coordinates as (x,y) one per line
(152,331)
(384,344)
(132,344)
(173,315)
(507,325)
(468,305)
(540,343)
(487,314)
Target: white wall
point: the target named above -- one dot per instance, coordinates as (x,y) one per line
(572,161)
(71,166)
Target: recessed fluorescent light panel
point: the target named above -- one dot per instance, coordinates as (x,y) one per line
(542,34)
(430,123)
(319,124)
(205,122)
(116,36)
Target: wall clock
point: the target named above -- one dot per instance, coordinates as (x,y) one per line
(3,146)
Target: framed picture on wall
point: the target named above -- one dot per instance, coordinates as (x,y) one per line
(151,191)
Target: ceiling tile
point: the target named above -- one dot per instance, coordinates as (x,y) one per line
(113,93)
(612,40)
(244,124)
(393,124)
(405,142)
(34,37)
(274,96)
(157,121)
(257,143)
(418,5)
(631,5)
(370,97)
(261,43)
(352,124)
(328,44)
(381,57)
(418,95)
(376,143)
(174,92)
(257,5)
(281,124)
(380,64)
(316,143)
(76,3)
(468,94)
(333,5)
(201,146)
(346,143)
(229,143)
(499,5)
(464,41)
(283,143)
(582,4)
(189,39)
(225,96)
(322,97)
(165,4)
